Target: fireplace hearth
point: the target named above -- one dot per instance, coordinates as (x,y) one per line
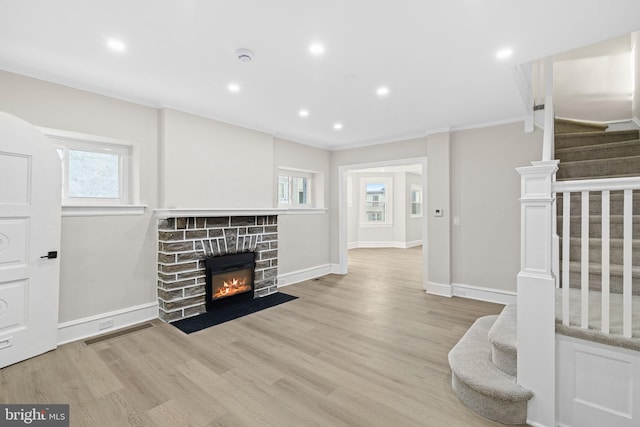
(229,279)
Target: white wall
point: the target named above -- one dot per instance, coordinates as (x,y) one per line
(210,164)
(438,197)
(471,175)
(413,225)
(303,239)
(107,263)
(486,189)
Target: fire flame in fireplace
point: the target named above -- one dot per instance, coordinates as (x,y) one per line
(232,287)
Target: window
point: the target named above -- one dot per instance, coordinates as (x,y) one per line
(96,172)
(377,201)
(283,189)
(294,188)
(416,201)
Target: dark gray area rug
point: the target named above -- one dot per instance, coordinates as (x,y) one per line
(233,311)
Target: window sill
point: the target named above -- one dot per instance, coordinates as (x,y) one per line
(102,210)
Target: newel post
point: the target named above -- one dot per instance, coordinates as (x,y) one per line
(536,292)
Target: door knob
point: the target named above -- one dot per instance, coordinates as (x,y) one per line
(50,255)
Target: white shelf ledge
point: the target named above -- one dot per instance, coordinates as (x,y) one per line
(103,210)
(207,212)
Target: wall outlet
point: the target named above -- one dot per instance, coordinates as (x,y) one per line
(105,324)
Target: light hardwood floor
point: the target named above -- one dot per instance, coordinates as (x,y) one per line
(366,349)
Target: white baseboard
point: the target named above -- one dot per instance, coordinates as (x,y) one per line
(385,244)
(337,269)
(87,327)
(472,292)
(440,289)
(498,296)
(298,276)
(534,424)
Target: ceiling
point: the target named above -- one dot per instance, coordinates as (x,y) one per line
(437,58)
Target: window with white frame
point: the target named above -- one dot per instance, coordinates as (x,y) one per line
(96,171)
(294,188)
(416,201)
(377,201)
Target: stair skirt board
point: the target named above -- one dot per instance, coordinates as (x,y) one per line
(479,384)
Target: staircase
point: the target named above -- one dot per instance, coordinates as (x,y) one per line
(598,154)
(484,364)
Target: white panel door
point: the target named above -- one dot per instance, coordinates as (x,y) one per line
(29,229)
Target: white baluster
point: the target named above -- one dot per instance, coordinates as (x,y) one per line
(605,261)
(584,262)
(566,241)
(627,266)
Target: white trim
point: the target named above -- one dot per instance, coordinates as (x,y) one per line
(440,289)
(479,293)
(128,152)
(381,141)
(104,210)
(489,124)
(188,212)
(534,424)
(88,327)
(342,206)
(636,121)
(336,269)
(598,184)
(386,244)
(298,276)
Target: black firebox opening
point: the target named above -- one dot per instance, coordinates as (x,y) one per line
(229,278)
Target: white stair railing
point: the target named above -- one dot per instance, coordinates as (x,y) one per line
(604,187)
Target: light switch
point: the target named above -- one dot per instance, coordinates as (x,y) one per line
(437,212)
(456,220)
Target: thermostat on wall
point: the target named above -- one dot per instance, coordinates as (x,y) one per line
(437,212)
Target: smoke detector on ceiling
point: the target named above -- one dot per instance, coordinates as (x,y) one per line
(244,55)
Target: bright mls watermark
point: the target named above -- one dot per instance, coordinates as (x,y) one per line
(34,415)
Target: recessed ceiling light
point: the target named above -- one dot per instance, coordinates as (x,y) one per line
(303,113)
(234,87)
(337,126)
(116,45)
(504,53)
(382,91)
(316,49)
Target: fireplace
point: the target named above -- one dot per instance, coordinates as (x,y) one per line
(229,278)
(185,243)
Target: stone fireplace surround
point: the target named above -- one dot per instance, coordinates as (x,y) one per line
(184,242)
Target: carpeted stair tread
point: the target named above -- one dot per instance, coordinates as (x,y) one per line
(596,268)
(595,277)
(594,332)
(563,126)
(600,168)
(504,340)
(599,151)
(581,139)
(616,226)
(470,361)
